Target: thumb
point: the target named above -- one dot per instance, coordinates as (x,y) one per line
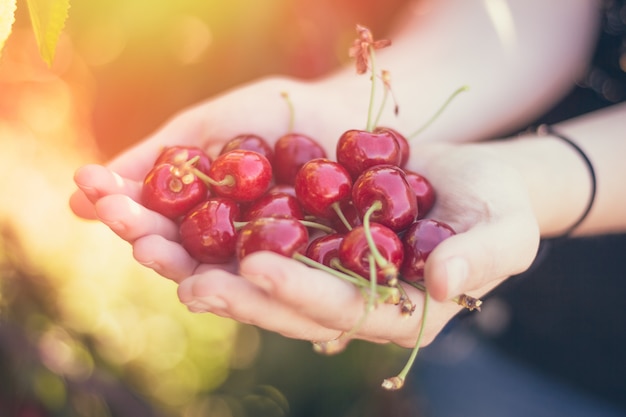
(483,256)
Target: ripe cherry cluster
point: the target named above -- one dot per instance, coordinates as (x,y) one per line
(361,216)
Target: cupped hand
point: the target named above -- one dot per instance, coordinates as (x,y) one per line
(479,195)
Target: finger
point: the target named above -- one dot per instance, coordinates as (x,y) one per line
(131,220)
(97,181)
(229,295)
(165,257)
(81,206)
(487,252)
(332,302)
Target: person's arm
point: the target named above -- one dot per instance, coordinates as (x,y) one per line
(558,185)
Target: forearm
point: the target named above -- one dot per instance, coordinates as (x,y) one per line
(558,180)
(517,62)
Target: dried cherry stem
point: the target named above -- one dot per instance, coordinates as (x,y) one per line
(389,270)
(227,181)
(397,382)
(337,208)
(438,112)
(464,300)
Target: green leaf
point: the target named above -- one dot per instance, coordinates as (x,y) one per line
(7,17)
(48,19)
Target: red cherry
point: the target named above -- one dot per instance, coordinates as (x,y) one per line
(403,143)
(320,184)
(282,189)
(180,154)
(250,142)
(172,190)
(358,150)
(386,184)
(282,235)
(291,151)
(208,233)
(418,241)
(325,249)
(274,205)
(424,192)
(354,250)
(241,175)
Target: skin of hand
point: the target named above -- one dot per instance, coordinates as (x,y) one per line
(484,199)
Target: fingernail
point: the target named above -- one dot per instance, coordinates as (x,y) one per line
(91,192)
(457,271)
(116,226)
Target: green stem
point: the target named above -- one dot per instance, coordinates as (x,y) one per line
(381,108)
(388,268)
(438,112)
(397,382)
(369,127)
(318,226)
(337,208)
(291,111)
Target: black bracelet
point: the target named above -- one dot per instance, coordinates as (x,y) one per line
(548,130)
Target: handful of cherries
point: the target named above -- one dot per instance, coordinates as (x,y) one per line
(361,217)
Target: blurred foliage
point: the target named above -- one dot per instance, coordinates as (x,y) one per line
(86,331)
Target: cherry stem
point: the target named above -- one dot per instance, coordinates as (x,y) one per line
(318,226)
(337,208)
(370,305)
(438,112)
(388,294)
(387,267)
(397,381)
(464,300)
(285,95)
(381,108)
(227,181)
(369,125)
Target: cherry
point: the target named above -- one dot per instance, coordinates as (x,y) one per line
(172,190)
(350,214)
(240,174)
(208,232)
(322,184)
(358,150)
(274,205)
(424,192)
(386,184)
(180,154)
(354,251)
(402,141)
(282,235)
(291,151)
(418,241)
(250,142)
(325,249)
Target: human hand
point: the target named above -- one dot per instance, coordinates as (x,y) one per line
(484,199)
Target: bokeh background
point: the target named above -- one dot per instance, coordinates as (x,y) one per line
(84,330)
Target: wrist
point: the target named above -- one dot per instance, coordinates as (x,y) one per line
(557,178)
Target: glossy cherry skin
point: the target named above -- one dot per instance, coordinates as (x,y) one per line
(419,240)
(354,250)
(172,191)
(250,174)
(424,192)
(250,142)
(282,235)
(387,184)
(178,155)
(319,184)
(325,249)
(274,205)
(291,151)
(403,143)
(358,150)
(208,232)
